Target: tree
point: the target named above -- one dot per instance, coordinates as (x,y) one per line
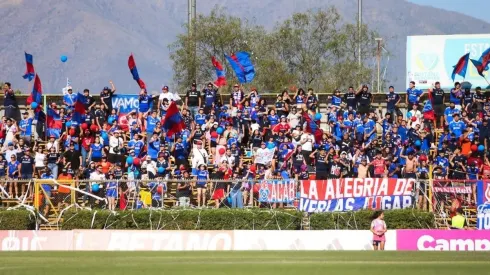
(311,49)
(213,35)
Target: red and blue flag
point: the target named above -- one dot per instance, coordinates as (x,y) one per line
(483,62)
(79,107)
(460,67)
(134,72)
(29,74)
(242,65)
(173,122)
(313,127)
(37,92)
(220,72)
(53,119)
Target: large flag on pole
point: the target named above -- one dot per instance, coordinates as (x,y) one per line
(242,65)
(29,74)
(134,72)
(460,67)
(482,63)
(79,107)
(173,122)
(37,92)
(220,72)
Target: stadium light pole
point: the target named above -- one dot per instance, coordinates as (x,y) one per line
(191,12)
(359,30)
(378,59)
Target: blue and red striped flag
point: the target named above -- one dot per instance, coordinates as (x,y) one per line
(242,65)
(313,127)
(54,119)
(460,67)
(29,74)
(79,107)
(483,62)
(134,72)
(37,92)
(173,122)
(220,73)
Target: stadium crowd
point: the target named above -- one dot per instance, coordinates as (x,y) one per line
(245,138)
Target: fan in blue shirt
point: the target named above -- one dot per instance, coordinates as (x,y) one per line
(457,126)
(413,94)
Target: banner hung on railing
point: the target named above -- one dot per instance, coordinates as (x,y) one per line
(483,199)
(277,191)
(449,195)
(356,194)
(125,103)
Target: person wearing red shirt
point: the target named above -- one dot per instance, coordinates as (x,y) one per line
(379,165)
(282,126)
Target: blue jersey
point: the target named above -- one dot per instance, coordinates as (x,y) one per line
(413,95)
(472,172)
(209,97)
(455,96)
(153,148)
(336,100)
(46,187)
(202,177)
(369,126)
(96,150)
(25,127)
(457,128)
(12,168)
(449,113)
(144,103)
(151,123)
(200,119)
(273,119)
(442,161)
(70,99)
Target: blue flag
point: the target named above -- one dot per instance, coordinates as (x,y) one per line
(242,65)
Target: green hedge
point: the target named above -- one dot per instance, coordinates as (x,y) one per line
(395,219)
(209,219)
(235,219)
(218,219)
(17,220)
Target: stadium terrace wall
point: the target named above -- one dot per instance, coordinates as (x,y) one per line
(240,240)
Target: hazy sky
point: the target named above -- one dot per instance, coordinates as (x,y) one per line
(476,8)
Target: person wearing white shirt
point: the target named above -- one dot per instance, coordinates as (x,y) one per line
(151,167)
(116,143)
(307,140)
(95,178)
(10,150)
(199,156)
(293,118)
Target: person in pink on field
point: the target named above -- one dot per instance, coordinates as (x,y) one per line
(378,227)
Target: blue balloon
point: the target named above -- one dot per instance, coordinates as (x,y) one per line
(219,130)
(129,160)
(481,148)
(64,58)
(318,116)
(161,170)
(110,120)
(418,143)
(95,187)
(68,124)
(34,105)
(271,146)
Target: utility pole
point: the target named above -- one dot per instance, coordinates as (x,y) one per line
(359,29)
(378,58)
(191,12)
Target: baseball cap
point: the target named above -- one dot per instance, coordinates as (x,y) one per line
(165,88)
(194,84)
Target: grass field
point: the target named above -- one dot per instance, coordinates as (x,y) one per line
(258,262)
